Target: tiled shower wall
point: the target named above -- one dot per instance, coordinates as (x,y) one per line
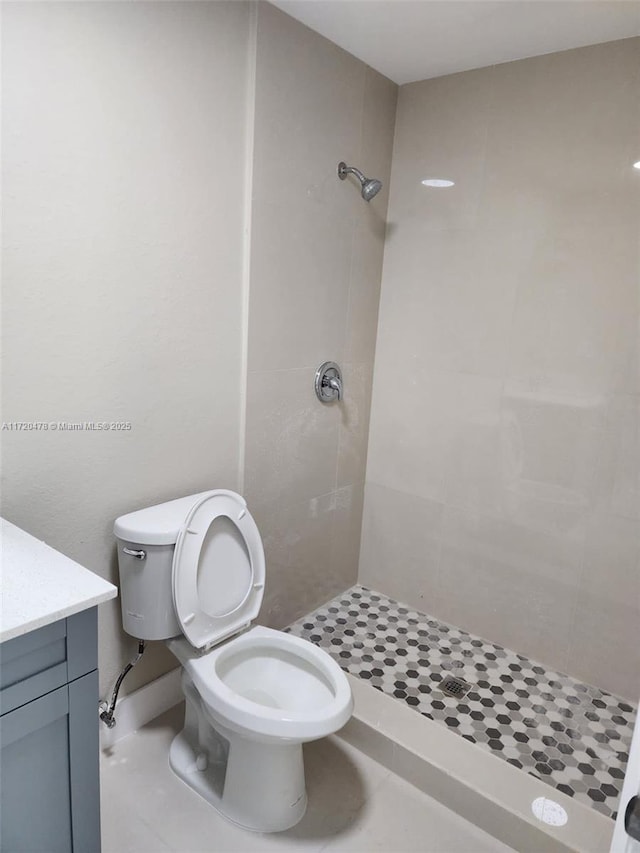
(503,472)
(316,264)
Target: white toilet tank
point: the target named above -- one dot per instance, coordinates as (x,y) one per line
(145,575)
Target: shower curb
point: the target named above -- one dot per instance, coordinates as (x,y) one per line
(467,779)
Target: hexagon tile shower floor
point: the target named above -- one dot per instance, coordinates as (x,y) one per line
(573,736)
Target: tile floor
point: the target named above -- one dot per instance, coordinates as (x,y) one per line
(571,735)
(355,804)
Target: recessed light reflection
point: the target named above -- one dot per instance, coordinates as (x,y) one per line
(437,182)
(635,166)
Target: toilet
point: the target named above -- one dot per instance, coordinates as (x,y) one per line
(192,573)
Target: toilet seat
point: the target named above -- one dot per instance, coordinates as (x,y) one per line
(218,569)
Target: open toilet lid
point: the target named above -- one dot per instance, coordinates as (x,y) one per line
(218,569)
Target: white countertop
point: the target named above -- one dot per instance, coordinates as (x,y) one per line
(40,585)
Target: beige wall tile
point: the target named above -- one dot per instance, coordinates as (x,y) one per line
(409,437)
(513,582)
(507,372)
(300,265)
(367,251)
(377,131)
(421,420)
(618,465)
(626,370)
(311,549)
(296,540)
(561,132)
(345,546)
(477,467)
(308,114)
(611,562)
(376,143)
(550,444)
(461,301)
(316,264)
(441,132)
(605,643)
(572,319)
(401,546)
(291,438)
(354,424)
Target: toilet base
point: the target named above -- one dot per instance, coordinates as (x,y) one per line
(258,786)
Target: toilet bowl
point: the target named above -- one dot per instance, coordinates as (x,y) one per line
(269,686)
(192,573)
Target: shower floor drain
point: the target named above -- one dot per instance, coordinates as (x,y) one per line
(455,687)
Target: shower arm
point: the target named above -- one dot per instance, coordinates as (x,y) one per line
(344,170)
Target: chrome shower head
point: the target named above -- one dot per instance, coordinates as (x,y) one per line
(370,186)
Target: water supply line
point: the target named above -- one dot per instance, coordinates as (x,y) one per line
(107,712)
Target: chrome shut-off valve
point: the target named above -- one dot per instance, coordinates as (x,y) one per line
(328,382)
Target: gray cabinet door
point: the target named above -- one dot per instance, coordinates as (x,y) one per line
(49,783)
(35,798)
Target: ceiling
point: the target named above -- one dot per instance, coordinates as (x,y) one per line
(409,40)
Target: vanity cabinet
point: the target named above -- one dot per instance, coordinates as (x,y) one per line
(49,749)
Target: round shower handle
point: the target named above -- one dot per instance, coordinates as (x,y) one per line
(328,382)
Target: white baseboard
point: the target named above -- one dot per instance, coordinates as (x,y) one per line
(138,708)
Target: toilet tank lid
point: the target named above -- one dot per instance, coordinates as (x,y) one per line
(156,525)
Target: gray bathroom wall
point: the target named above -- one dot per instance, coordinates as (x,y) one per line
(124,139)
(503,481)
(316,262)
